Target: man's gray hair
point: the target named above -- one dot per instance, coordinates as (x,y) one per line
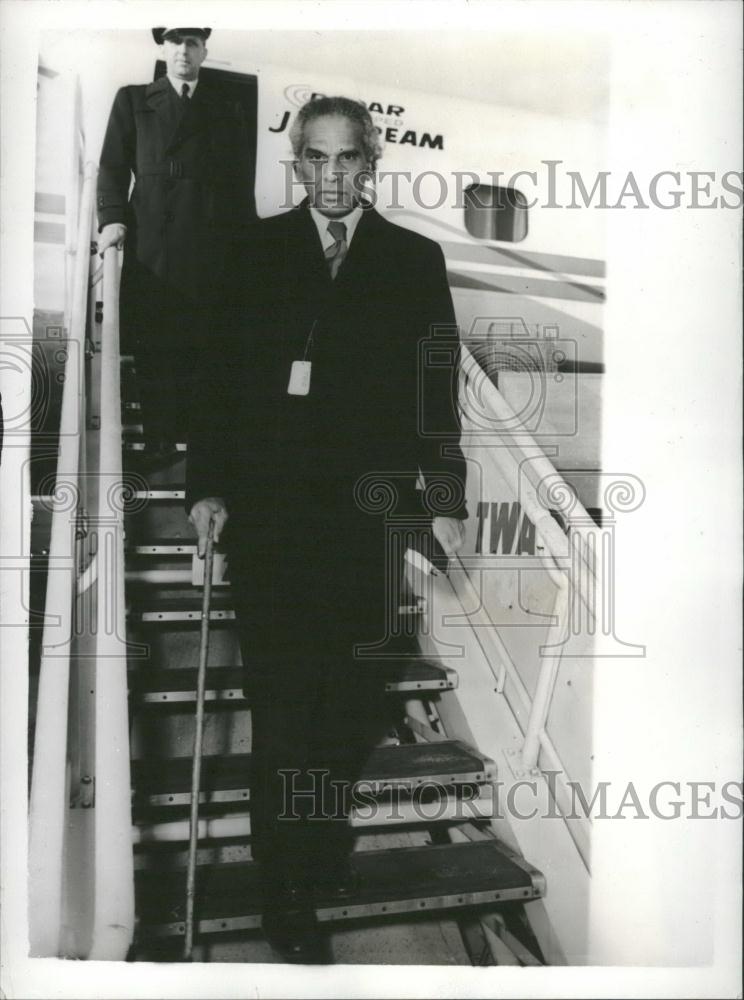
(354,111)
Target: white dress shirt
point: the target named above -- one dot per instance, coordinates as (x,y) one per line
(350,220)
(178,85)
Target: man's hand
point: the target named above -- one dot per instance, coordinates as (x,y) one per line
(449,532)
(112,235)
(201,514)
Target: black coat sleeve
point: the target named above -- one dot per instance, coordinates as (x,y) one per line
(216,430)
(212,437)
(118,159)
(245,214)
(441,459)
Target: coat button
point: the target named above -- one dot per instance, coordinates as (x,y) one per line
(169,216)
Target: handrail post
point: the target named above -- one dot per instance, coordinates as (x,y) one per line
(545,683)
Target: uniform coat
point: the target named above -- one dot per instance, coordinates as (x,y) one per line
(190,189)
(190,198)
(314,483)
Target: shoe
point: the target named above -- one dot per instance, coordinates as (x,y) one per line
(290,924)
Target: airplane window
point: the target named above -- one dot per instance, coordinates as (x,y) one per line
(495,213)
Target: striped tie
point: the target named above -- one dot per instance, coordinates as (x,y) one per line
(335,253)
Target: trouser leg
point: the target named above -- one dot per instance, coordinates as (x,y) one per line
(168,333)
(316,717)
(282,792)
(352,718)
(312,735)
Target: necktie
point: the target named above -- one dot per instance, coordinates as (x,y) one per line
(335,253)
(185,95)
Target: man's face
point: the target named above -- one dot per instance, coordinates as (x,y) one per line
(183,55)
(331,163)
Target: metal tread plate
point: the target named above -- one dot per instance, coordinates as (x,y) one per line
(164,687)
(449,806)
(135,442)
(162,546)
(185,609)
(167,782)
(180,609)
(163,493)
(179,685)
(401,880)
(417,675)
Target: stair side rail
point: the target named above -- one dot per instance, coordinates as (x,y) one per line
(49,780)
(113,864)
(572,558)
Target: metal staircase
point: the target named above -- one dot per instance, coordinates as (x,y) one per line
(409,787)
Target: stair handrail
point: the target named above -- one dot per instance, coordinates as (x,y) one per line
(49,782)
(537,466)
(559,552)
(113,868)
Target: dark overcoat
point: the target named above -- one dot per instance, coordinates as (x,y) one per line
(316,484)
(191,188)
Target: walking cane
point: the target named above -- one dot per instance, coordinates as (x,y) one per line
(196,763)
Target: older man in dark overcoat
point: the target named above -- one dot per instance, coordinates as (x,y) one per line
(187,148)
(333,405)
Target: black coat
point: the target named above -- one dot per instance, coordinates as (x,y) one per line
(315,483)
(191,192)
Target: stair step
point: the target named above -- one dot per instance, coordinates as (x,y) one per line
(165,494)
(167,782)
(401,880)
(181,609)
(450,806)
(418,675)
(169,686)
(226,683)
(136,443)
(153,610)
(163,547)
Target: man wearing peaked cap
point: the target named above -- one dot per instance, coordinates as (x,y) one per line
(186,145)
(160,34)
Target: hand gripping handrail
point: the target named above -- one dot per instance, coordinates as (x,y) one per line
(49,793)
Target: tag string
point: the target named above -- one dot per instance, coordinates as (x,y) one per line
(309,341)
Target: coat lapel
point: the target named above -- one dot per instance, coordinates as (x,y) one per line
(177,124)
(306,258)
(161,99)
(200,112)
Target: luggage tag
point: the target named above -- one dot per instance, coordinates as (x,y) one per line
(299,373)
(299,378)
